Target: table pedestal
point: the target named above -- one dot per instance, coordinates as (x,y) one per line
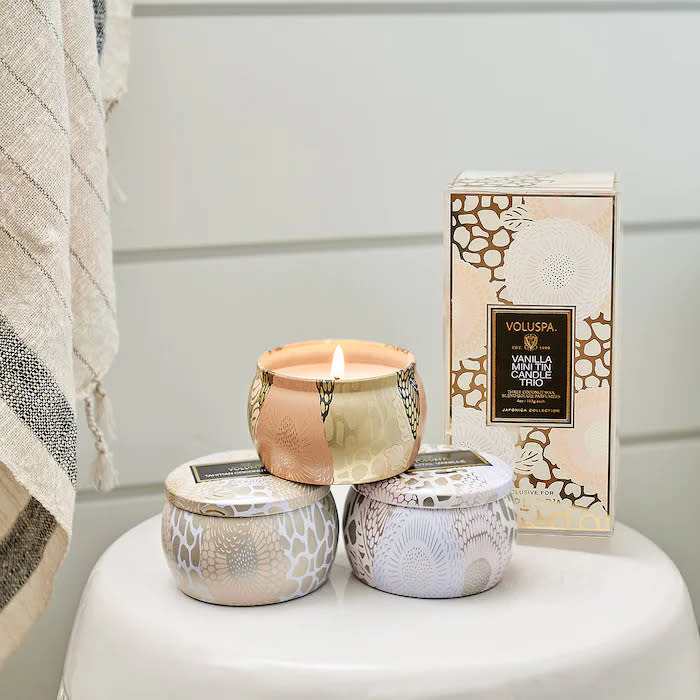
(574,618)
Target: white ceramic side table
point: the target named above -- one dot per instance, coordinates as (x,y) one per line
(573,619)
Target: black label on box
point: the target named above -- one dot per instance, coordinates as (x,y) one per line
(530,365)
(447,460)
(227,470)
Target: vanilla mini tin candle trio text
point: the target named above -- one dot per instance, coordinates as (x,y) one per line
(530,337)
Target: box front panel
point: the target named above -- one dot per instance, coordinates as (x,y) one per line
(530,348)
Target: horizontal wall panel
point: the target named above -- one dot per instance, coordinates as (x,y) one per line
(33,672)
(660,333)
(657,494)
(240,129)
(191,331)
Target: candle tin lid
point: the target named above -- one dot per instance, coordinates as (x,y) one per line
(235,484)
(445,477)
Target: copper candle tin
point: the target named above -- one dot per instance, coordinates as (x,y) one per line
(324,430)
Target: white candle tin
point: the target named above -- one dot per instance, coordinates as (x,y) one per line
(233,534)
(443,529)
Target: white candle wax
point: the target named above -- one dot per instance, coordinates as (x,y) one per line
(353,370)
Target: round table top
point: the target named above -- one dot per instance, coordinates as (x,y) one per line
(573,617)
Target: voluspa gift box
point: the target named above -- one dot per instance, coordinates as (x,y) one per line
(530,337)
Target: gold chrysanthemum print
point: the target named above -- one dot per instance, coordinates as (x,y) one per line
(242,560)
(594,212)
(291,440)
(558,262)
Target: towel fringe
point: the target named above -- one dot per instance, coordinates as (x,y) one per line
(104,474)
(104,413)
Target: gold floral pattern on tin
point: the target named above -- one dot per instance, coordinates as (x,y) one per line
(258,393)
(363,524)
(241,561)
(290,436)
(369,434)
(325,393)
(251,561)
(324,431)
(410,395)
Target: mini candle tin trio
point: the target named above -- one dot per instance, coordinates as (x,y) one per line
(241,531)
(234,534)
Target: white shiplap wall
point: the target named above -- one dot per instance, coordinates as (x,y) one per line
(284,166)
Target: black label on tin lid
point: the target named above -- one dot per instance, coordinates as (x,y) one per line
(227,470)
(447,460)
(530,365)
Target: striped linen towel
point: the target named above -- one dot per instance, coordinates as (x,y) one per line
(62,66)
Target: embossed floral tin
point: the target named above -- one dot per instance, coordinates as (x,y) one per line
(315,425)
(443,529)
(233,534)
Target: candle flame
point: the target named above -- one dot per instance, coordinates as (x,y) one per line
(338,364)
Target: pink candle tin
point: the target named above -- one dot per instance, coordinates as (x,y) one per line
(360,421)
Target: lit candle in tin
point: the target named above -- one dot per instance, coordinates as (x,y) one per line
(331,411)
(335,368)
